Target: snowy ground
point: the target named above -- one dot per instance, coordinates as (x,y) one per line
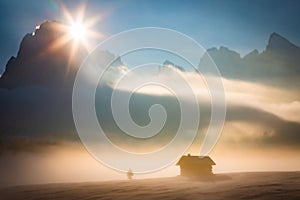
(255,185)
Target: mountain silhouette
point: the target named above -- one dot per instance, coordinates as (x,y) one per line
(277,65)
(169,63)
(43,59)
(277,43)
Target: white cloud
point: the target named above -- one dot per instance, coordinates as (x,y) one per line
(281,102)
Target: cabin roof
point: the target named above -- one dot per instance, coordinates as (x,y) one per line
(190,160)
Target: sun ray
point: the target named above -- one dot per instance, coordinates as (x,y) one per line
(58,43)
(66,14)
(92,21)
(71,55)
(81,13)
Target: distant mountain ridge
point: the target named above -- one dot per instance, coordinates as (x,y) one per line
(277,63)
(41,62)
(280,44)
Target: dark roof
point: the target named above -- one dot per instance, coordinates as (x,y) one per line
(195,160)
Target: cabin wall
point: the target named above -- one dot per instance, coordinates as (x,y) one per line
(196,170)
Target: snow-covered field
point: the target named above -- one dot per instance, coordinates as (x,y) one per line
(254,185)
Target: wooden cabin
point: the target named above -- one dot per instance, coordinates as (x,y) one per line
(195,166)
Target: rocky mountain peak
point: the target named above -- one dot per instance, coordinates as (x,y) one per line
(279,43)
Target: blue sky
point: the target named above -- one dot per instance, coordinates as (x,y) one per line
(238,25)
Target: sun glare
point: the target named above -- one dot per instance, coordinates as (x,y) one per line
(77,31)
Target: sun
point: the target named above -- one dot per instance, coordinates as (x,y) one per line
(79,28)
(78,31)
